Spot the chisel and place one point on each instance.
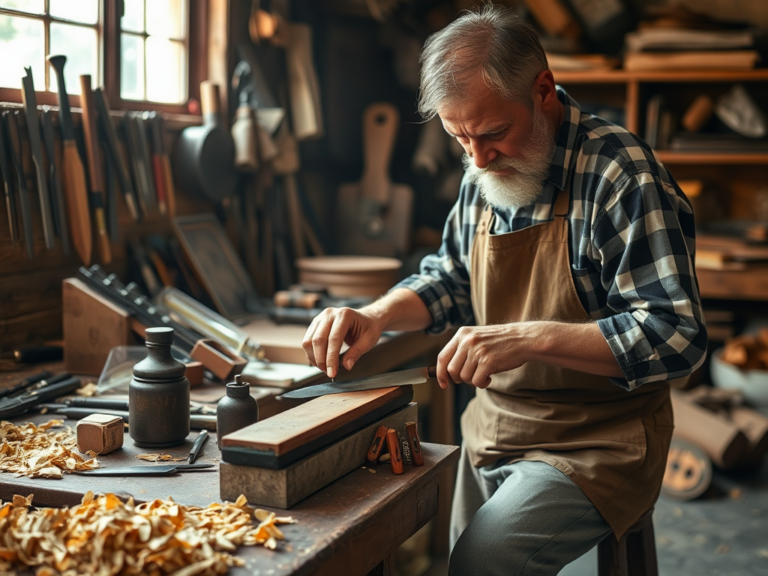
(94, 166)
(33, 128)
(75, 189)
(17, 155)
(8, 189)
(57, 196)
(110, 138)
(157, 163)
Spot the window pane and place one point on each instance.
(132, 67)
(24, 38)
(166, 66)
(133, 17)
(80, 46)
(166, 18)
(33, 6)
(85, 11)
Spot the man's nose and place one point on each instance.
(481, 155)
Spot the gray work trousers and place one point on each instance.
(526, 518)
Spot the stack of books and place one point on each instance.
(683, 48)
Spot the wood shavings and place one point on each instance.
(87, 390)
(104, 535)
(30, 450)
(157, 457)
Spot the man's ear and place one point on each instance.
(544, 90)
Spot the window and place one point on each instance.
(32, 29)
(153, 51)
(141, 55)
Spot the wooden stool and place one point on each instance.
(633, 555)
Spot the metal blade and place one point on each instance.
(162, 470)
(402, 378)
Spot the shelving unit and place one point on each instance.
(738, 175)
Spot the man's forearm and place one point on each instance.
(400, 310)
(579, 347)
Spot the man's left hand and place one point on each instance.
(477, 352)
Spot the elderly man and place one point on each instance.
(567, 264)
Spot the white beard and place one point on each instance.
(524, 186)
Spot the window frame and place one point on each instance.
(108, 29)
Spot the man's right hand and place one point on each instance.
(359, 329)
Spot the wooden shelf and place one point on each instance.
(619, 76)
(674, 157)
(750, 284)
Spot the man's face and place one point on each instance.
(508, 145)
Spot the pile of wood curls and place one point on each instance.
(105, 536)
(748, 352)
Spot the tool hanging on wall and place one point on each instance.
(17, 155)
(94, 166)
(140, 123)
(111, 143)
(140, 172)
(57, 196)
(8, 187)
(162, 163)
(75, 189)
(244, 127)
(35, 146)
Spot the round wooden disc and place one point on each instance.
(348, 264)
(688, 473)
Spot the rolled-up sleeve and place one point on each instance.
(643, 239)
(443, 279)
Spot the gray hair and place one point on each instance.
(493, 43)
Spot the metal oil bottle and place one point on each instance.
(236, 410)
(158, 396)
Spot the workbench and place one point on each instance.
(351, 527)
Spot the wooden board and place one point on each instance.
(284, 488)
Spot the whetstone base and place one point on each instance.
(284, 488)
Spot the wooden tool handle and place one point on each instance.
(380, 121)
(377, 445)
(76, 195)
(170, 192)
(414, 443)
(89, 130)
(157, 170)
(209, 101)
(395, 458)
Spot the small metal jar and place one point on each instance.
(236, 410)
(158, 396)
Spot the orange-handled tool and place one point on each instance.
(395, 457)
(377, 445)
(414, 443)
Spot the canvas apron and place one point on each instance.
(612, 443)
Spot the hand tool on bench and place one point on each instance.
(75, 189)
(33, 128)
(196, 421)
(197, 446)
(36, 354)
(109, 136)
(401, 378)
(8, 188)
(162, 470)
(57, 196)
(40, 384)
(10, 407)
(17, 155)
(25, 383)
(94, 166)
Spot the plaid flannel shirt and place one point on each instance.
(631, 249)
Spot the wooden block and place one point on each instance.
(284, 488)
(720, 438)
(295, 433)
(92, 327)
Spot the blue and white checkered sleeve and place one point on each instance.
(443, 279)
(645, 241)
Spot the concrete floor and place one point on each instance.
(724, 533)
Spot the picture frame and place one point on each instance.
(216, 264)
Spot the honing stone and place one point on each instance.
(284, 488)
